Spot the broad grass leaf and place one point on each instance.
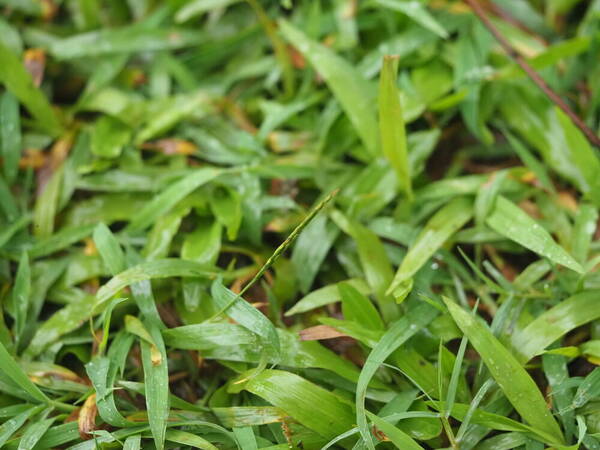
(354, 92)
(515, 224)
(309, 404)
(515, 382)
(551, 325)
(325, 296)
(109, 136)
(63, 321)
(358, 308)
(444, 223)
(246, 315)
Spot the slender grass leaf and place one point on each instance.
(60, 240)
(583, 231)
(156, 382)
(374, 261)
(162, 233)
(34, 433)
(447, 221)
(311, 248)
(188, 439)
(109, 249)
(354, 93)
(512, 222)
(227, 207)
(391, 124)
(398, 437)
(19, 82)
(46, 205)
(514, 381)
(10, 135)
(8, 428)
(16, 374)
(358, 308)
(7, 201)
(396, 335)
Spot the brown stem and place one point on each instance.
(533, 75)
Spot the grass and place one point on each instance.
(269, 225)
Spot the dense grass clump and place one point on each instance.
(299, 224)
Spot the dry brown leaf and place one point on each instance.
(87, 417)
(34, 60)
(319, 332)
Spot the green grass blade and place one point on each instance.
(447, 221)
(20, 297)
(46, 205)
(299, 398)
(109, 249)
(417, 12)
(8, 428)
(162, 268)
(354, 93)
(514, 381)
(325, 296)
(512, 222)
(188, 439)
(398, 437)
(34, 433)
(246, 315)
(168, 198)
(16, 374)
(18, 81)
(391, 124)
(547, 328)
(10, 135)
(398, 333)
(374, 261)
